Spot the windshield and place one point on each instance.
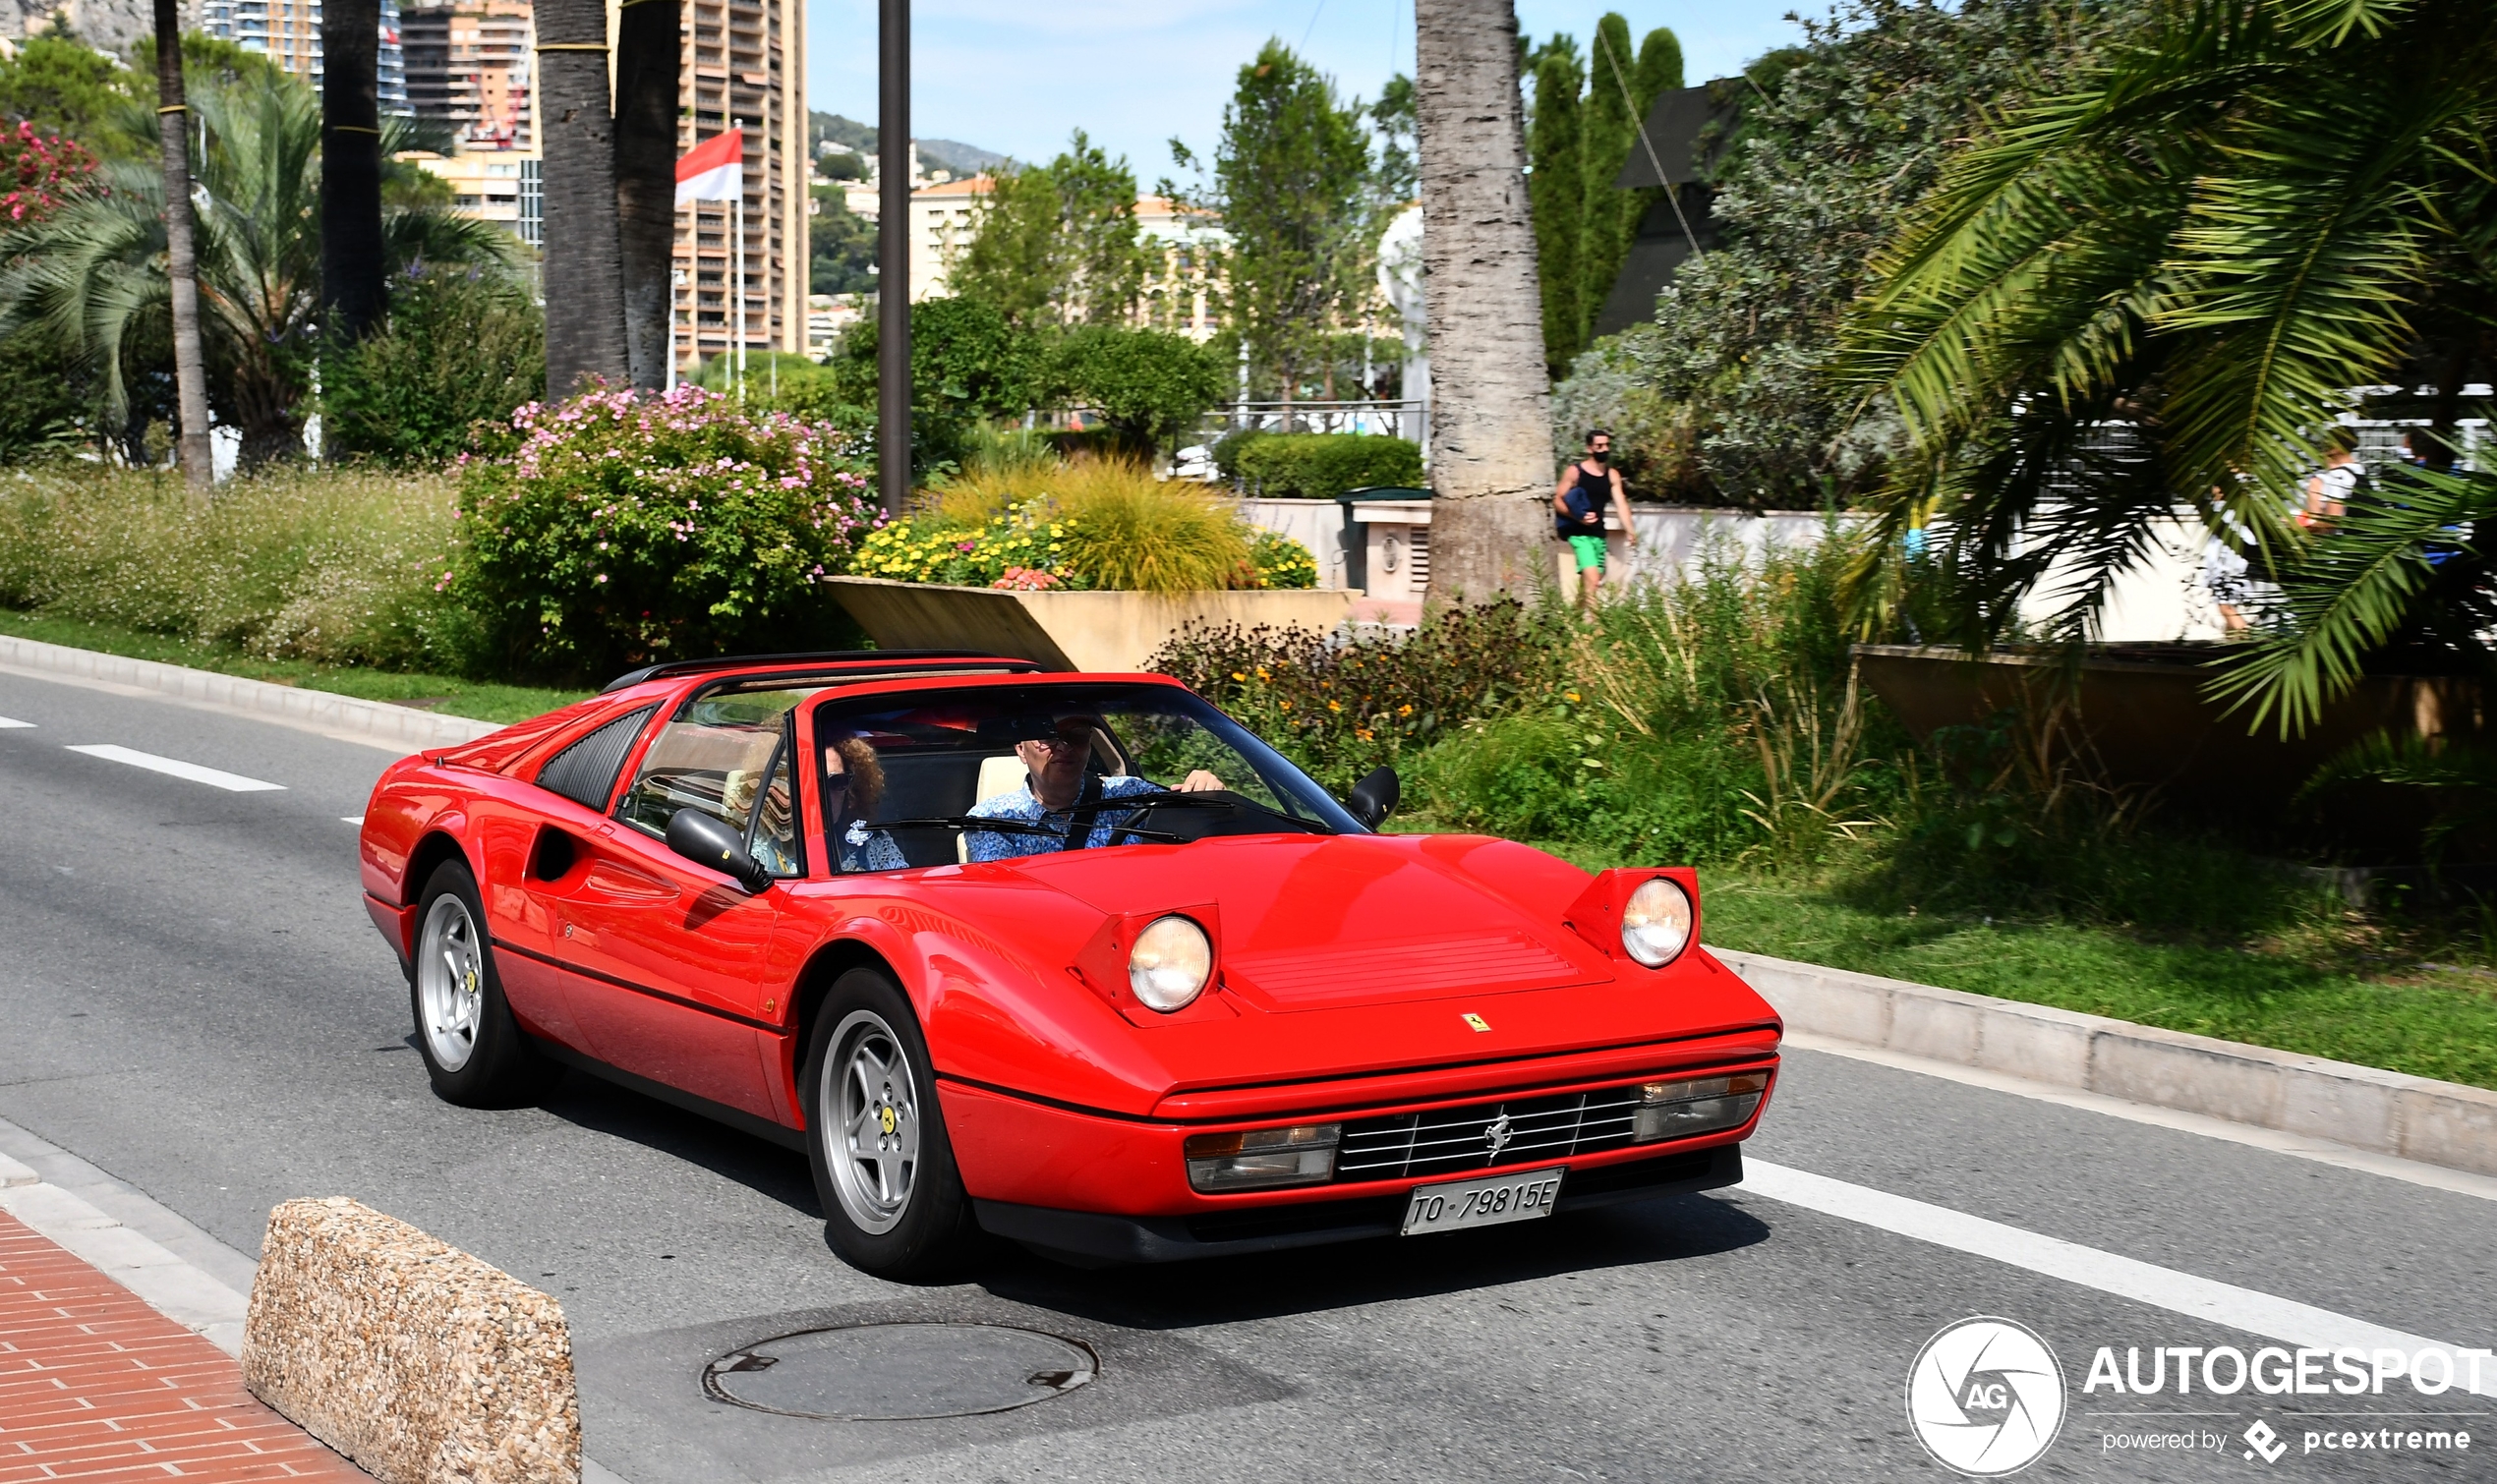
(937, 778)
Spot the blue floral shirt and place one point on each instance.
(1022, 805)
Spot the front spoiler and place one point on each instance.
(1096, 1237)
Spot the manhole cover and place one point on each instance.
(900, 1372)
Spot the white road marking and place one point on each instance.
(2322, 1152)
(9, 722)
(231, 782)
(351, 818)
(2281, 1319)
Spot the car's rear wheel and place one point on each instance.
(883, 1169)
(473, 1050)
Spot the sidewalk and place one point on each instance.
(96, 1385)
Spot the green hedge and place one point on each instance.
(1315, 466)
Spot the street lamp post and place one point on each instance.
(892, 256)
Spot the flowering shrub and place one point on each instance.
(36, 169)
(1282, 562)
(619, 529)
(1026, 538)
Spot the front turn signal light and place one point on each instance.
(1705, 1105)
(1262, 1159)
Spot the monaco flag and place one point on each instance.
(713, 170)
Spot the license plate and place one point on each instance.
(1487, 1201)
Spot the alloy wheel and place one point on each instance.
(450, 981)
(869, 1121)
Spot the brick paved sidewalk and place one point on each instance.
(95, 1384)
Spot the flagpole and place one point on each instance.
(738, 211)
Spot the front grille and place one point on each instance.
(1485, 1135)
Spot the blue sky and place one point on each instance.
(1017, 76)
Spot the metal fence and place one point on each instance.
(1408, 418)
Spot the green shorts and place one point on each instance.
(1590, 552)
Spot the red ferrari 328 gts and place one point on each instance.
(1075, 959)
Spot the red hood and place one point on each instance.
(1337, 956)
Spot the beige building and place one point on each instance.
(469, 66)
(485, 184)
(744, 69)
(941, 220)
(1179, 281)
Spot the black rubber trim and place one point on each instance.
(822, 656)
(775, 1027)
(735, 1117)
(1098, 1236)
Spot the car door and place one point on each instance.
(673, 974)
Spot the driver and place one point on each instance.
(1057, 787)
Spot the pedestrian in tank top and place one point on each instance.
(1578, 511)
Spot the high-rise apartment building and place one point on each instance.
(744, 69)
(288, 32)
(468, 68)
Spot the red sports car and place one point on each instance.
(1075, 959)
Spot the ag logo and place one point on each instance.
(1986, 1397)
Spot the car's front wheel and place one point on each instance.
(473, 1050)
(884, 1170)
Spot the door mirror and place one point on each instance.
(1374, 798)
(709, 841)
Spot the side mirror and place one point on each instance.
(1374, 798)
(708, 841)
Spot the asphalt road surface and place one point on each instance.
(191, 998)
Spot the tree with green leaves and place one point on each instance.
(458, 346)
(1621, 91)
(1150, 386)
(1294, 188)
(1556, 190)
(1724, 398)
(95, 273)
(2244, 212)
(1056, 244)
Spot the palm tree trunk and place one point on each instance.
(351, 253)
(182, 256)
(648, 62)
(1490, 418)
(584, 269)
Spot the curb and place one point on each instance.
(312, 710)
(2361, 1106)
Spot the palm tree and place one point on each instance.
(350, 275)
(190, 370)
(2161, 289)
(1491, 423)
(649, 58)
(584, 266)
(95, 272)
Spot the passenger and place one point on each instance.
(854, 784)
(1057, 787)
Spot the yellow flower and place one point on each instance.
(1236, 675)
(1404, 710)
(1335, 705)
(1573, 695)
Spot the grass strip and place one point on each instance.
(445, 693)
(2441, 1025)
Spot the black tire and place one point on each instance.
(474, 1051)
(894, 1206)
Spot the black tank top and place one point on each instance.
(1585, 496)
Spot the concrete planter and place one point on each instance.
(1110, 632)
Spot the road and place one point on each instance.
(191, 998)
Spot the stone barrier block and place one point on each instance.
(1934, 1028)
(2324, 1100)
(411, 1357)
